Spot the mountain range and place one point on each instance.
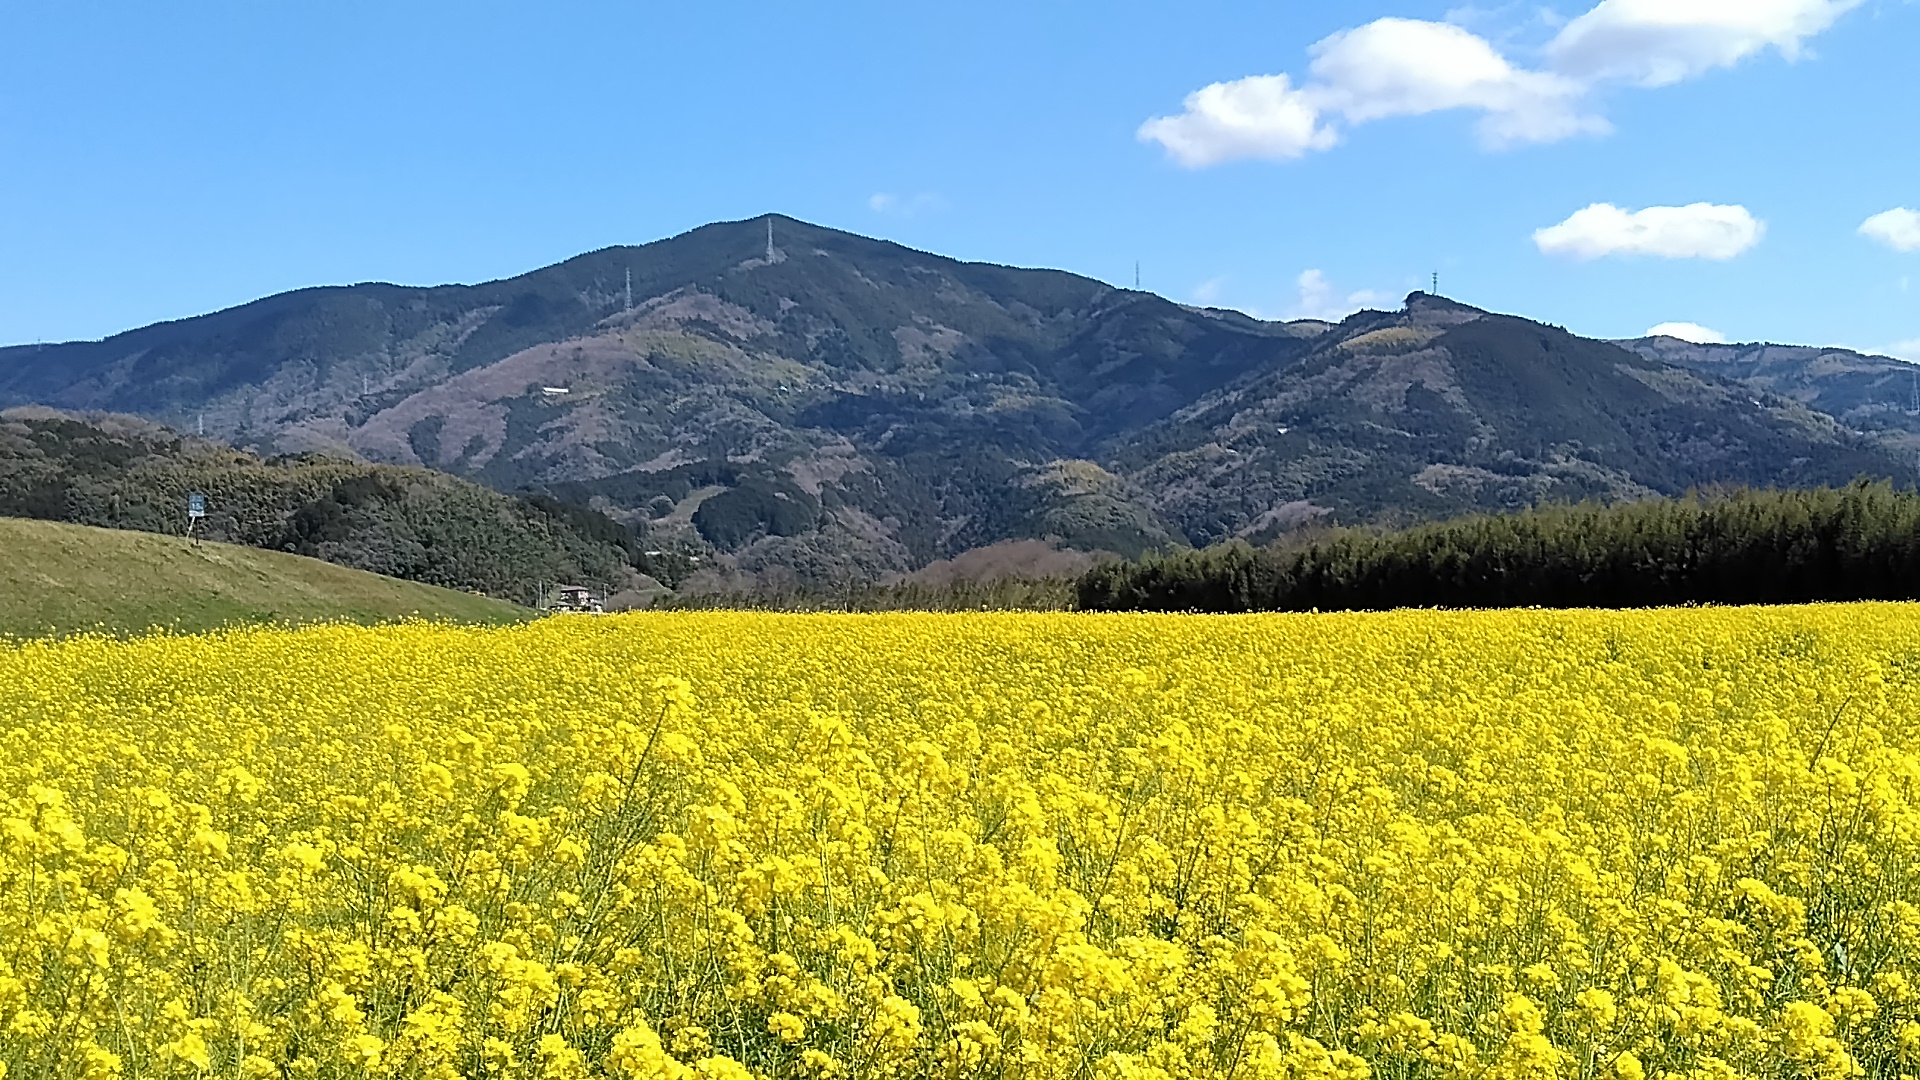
(804, 402)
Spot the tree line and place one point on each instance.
(114, 472)
(1860, 542)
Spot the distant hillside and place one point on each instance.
(837, 408)
(1441, 409)
(1877, 394)
(66, 578)
(123, 473)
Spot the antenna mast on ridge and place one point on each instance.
(769, 239)
(1436, 283)
(629, 288)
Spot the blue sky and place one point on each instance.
(1607, 168)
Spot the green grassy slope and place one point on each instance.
(57, 579)
(120, 472)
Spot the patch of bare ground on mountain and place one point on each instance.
(1469, 481)
(1286, 518)
(692, 304)
(826, 465)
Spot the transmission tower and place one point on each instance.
(769, 239)
(629, 306)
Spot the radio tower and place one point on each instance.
(769, 239)
(629, 288)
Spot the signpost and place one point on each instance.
(196, 509)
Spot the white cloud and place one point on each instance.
(1409, 67)
(1404, 67)
(1898, 228)
(1319, 300)
(1207, 293)
(1687, 331)
(1698, 231)
(1905, 350)
(1390, 67)
(886, 202)
(1260, 117)
(1660, 42)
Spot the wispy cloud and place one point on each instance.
(1504, 23)
(1207, 293)
(1409, 67)
(1318, 299)
(895, 205)
(1698, 231)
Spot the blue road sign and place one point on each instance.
(196, 505)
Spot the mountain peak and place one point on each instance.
(1431, 310)
(1422, 300)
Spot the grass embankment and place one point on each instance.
(61, 579)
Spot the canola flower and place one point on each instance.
(733, 846)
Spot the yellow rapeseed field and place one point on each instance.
(714, 847)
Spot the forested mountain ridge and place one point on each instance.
(120, 472)
(826, 406)
(1877, 394)
(1442, 408)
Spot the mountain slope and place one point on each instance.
(1443, 408)
(834, 407)
(871, 407)
(60, 579)
(1877, 394)
(842, 314)
(125, 473)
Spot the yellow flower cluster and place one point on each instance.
(1677, 844)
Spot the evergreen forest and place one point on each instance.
(1860, 542)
